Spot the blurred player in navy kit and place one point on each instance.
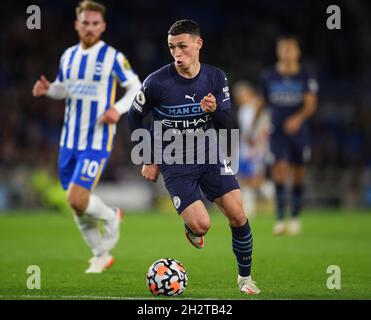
(189, 98)
(291, 96)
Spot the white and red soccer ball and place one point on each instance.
(167, 277)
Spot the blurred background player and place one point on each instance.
(290, 94)
(199, 101)
(254, 148)
(86, 79)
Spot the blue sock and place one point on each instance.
(296, 200)
(280, 200)
(242, 248)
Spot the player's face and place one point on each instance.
(244, 96)
(185, 49)
(90, 26)
(288, 50)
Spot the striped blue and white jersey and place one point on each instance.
(89, 77)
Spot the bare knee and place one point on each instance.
(231, 205)
(196, 218)
(200, 227)
(77, 202)
(237, 219)
(280, 171)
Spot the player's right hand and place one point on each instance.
(41, 87)
(208, 103)
(150, 172)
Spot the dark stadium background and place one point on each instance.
(239, 37)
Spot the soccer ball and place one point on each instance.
(167, 277)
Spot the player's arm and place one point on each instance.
(293, 123)
(56, 90)
(219, 106)
(128, 80)
(140, 108)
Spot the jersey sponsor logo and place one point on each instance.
(286, 99)
(187, 131)
(82, 89)
(177, 202)
(190, 97)
(183, 124)
(287, 93)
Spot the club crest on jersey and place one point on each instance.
(176, 201)
(98, 68)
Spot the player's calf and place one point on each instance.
(78, 199)
(197, 223)
(112, 230)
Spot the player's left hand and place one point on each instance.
(293, 124)
(208, 103)
(111, 116)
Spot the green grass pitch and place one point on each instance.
(284, 267)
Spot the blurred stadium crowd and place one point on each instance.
(239, 38)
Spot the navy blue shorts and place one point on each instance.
(292, 148)
(185, 187)
(81, 167)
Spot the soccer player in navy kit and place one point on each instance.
(290, 94)
(189, 97)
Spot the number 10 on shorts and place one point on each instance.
(90, 168)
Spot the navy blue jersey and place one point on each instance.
(175, 101)
(284, 95)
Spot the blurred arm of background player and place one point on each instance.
(58, 91)
(113, 114)
(55, 90)
(294, 122)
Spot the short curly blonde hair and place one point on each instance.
(90, 6)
